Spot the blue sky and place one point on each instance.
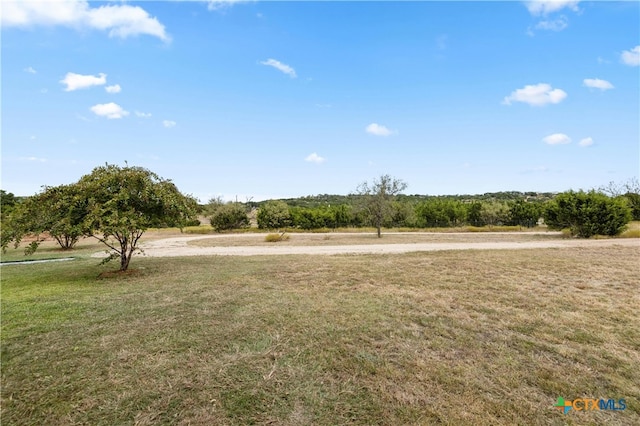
(284, 99)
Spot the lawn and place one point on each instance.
(482, 338)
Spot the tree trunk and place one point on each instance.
(124, 257)
(379, 234)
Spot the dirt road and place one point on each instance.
(179, 246)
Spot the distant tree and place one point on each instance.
(523, 213)
(629, 190)
(229, 216)
(343, 215)
(377, 197)
(587, 213)
(58, 211)
(494, 213)
(7, 202)
(273, 215)
(474, 214)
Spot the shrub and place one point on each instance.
(274, 238)
(192, 222)
(586, 214)
(274, 215)
(229, 216)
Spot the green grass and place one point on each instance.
(488, 338)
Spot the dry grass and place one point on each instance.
(276, 238)
(489, 338)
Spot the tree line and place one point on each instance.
(604, 211)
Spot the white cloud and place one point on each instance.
(553, 25)
(110, 110)
(34, 159)
(586, 142)
(30, 70)
(223, 4)
(537, 169)
(119, 20)
(557, 139)
(78, 81)
(143, 114)
(280, 66)
(596, 83)
(631, 57)
(315, 158)
(536, 95)
(545, 7)
(113, 89)
(378, 130)
(169, 124)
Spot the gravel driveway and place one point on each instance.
(171, 247)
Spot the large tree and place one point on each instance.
(586, 214)
(123, 202)
(377, 197)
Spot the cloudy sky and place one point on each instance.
(281, 99)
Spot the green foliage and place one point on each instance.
(494, 213)
(440, 212)
(229, 216)
(123, 202)
(633, 200)
(58, 211)
(629, 190)
(474, 214)
(376, 199)
(113, 204)
(523, 213)
(321, 217)
(7, 202)
(586, 214)
(274, 215)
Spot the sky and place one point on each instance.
(262, 99)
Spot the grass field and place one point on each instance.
(482, 338)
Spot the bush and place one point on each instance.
(229, 216)
(274, 238)
(274, 215)
(192, 222)
(586, 214)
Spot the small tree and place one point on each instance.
(7, 202)
(523, 213)
(273, 215)
(57, 210)
(123, 202)
(377, 197)
(494, 213)
(229, 216)
(587, 213)
(629, 190)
